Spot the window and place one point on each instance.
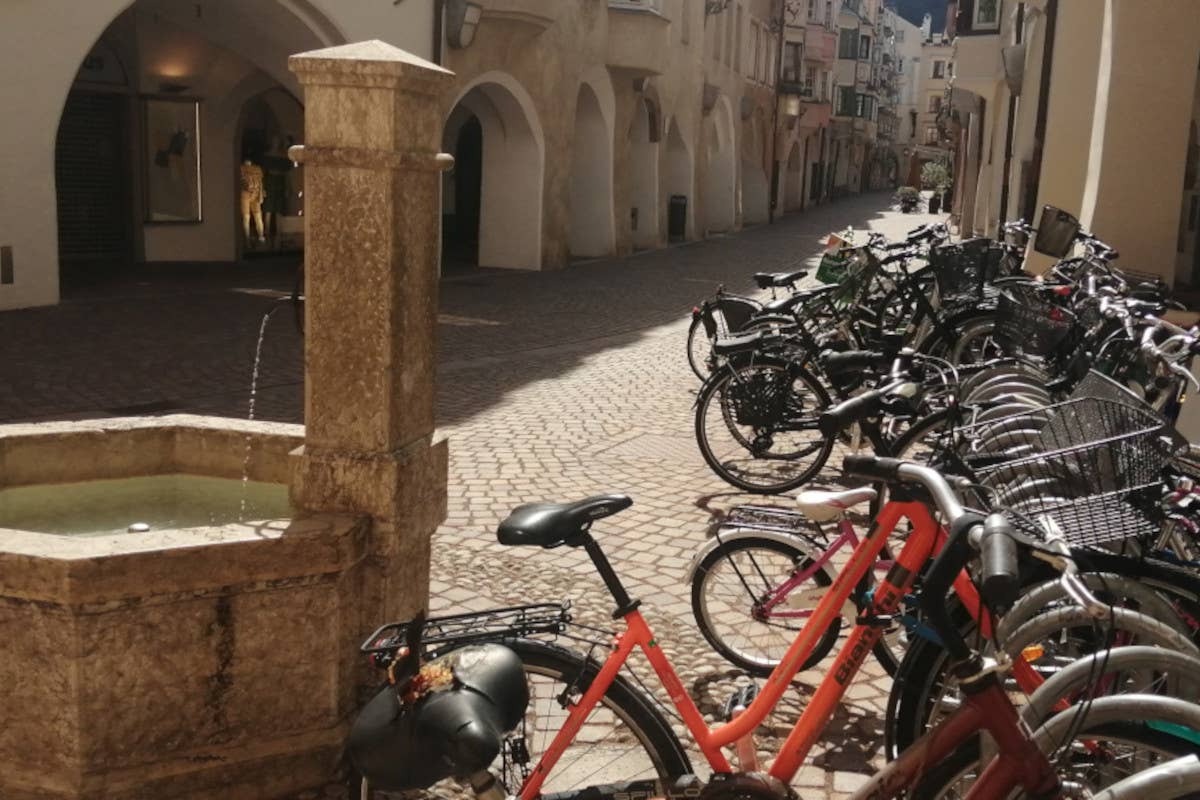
(813, 9)
(848, 43)
(793, 58)
(829, 14)
(899, 35)
(772, 67)
(718, 37)
(858, 110)
(846, 101)
(864, 48)
(987, 15)
(939, 69)
(935, 103)
(737, 41)
(931, 134)
(685, 21)
(730, 33)
(811, 85)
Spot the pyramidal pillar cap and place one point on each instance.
(372, 63)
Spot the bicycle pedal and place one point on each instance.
(740, 700)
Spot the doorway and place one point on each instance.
(91, 170)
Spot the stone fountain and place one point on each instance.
(221, 661)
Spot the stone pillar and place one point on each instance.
(372, 184)
(1139, 133)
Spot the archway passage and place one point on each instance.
(719, 186)
(793, 196)
(164, 110)
(756, 188)
(643, 137)
(492, 200)
(591, 227)
(677, 185)
(461, 197)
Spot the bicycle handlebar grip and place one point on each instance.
(872, 467)
(843, 414)
(999, 582)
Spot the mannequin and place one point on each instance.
(252, 195)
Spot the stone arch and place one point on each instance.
(677, 177)
(591, 227)
(176, 52)
(755, 184)
(644, 135)
(511, 159)
(720, 176)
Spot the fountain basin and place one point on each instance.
(213, 660)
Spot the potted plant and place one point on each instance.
(908, 197)
(935, 175)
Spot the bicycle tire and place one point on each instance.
(793, 472)
(919, 685)
(699, 348)
(937, 780)
(704, 604)
(648, 728)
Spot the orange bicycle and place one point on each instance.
(467, 746)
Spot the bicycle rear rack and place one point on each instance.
(451, 632)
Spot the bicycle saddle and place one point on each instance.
(765, 280)
(554, 524)
(820, 506)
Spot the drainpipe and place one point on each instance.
(1009, 128)
(1039, 131)
(775, 114)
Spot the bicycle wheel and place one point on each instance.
(624, 738)
(1097, 758)
(923, 691)
(756, 426)
(699, 348)
(731, 590)
(976, 343)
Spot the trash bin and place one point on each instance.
(677, 218)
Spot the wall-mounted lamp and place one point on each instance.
(171, 87)
(462, 18)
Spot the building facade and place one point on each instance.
(909, 39)
(157, 132)
(1049, 99)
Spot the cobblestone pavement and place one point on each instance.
(552, 386)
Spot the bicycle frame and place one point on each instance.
(987, 708)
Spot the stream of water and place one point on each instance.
(262, 332)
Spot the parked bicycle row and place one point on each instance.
(1026, 576)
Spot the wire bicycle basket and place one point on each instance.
(1027, 321)
(1089, 466)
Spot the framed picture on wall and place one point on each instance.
(172, 163)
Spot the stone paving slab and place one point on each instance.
(552, 386)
